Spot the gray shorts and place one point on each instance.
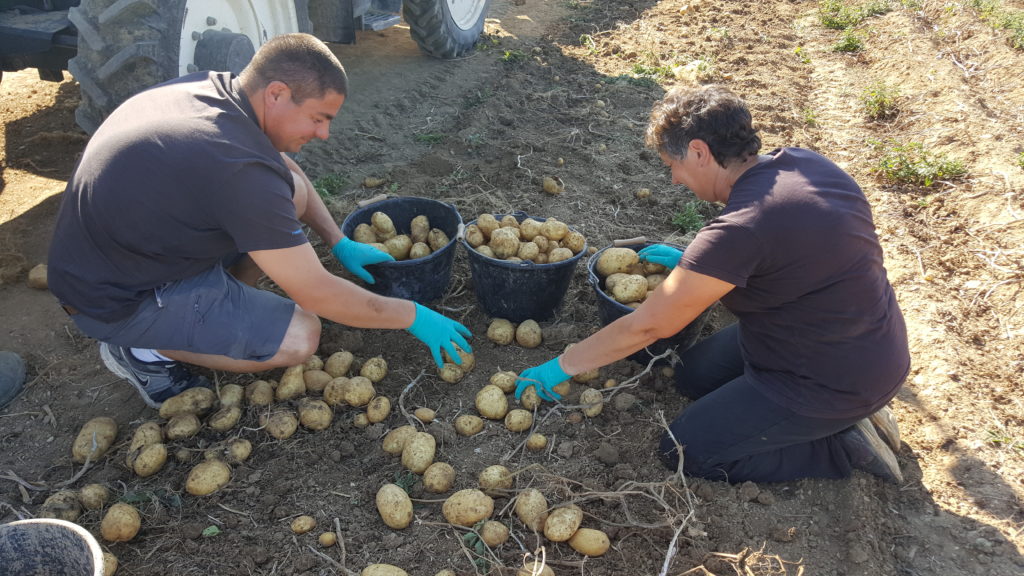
(211, 313)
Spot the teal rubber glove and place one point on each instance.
(544, 378)
(438, 331)
(667, 256)
(354, 256)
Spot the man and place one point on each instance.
(820, 346)
(183, 198)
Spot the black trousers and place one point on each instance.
(735, 433)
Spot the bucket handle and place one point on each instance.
(629, 241)
(378, 198)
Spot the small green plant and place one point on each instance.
(999, 16)
(850, 41)
(587, 41)
(912, 164)
(690, 219)
(1020, 160)
(330, 185)
(659, 71)
(999, 439)
(810, 117)
(880, 101)
(473, 541)
(835, 14)
(644, 82)
(513, 56)
(801, 53)
(405, 480)
(430, 138)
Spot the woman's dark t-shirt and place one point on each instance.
(820, 329)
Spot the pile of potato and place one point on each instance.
(421, 241)
(627, 279)
(527, 333)
(509, 239)
(560, 524)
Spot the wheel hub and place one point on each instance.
(223, 51)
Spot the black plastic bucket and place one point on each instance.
(610, 310)
(423, 279)
(518, 291)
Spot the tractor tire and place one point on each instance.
(123, 48)
(445, 28)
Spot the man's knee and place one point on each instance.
(300, 341)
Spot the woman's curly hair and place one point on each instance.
(709, 113)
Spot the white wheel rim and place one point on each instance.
(260, 20)
(465, 13)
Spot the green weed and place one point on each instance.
(430, 138)
(835, 14)
(693, 216)
(513, 57)
(644, 82)
(810, 117)
(998, 16)
(330, 185)
(999, 439)
(880, 101)
(587, 41)
(801, 53)
(912, 164)
(405, 480)
(850, 41)
(473, 541)
(660, 71)
(1020, 160)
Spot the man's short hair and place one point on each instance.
(302, 62)
(709, 113)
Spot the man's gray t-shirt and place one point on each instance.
(176, 179)
(821, 331)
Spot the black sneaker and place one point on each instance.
(155, 381)
(868, 452)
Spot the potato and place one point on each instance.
(303, 524)
(439, 477)
(559, 255)
(62, 505)
(528, 251)
(207, 477)
(378, 409)
(418, 453)
(259, 393)
(552, 186)
(654, 280)
(437, 239)
(383, 570)
(584, 377)
(532, 508)
(474, 236)
(495, 478)
(419, 227)
(364, 233)
(529, 399)
(501, 332)
(292, 384)
(281, 424)
(182, 426)
(196, 401)
(93, 496)
(486, 251)
(445, 572)
(451, 373)
(535, 568)
(94, 439)
(631, 288)
(359, 391)
(504, 243)
(231, 395)
(395, 440)
(612, 280)
(487, 224)
(361, 420)
(504, 380)
(491, 402)
(574, 241)
(109, 564)
(468, 360)
(562, 523)
(382, 225)
(589, 542)
(562, 388)
(425, 415)
(616, 259)
(147, 433)
(419, 250)
(552, 229)
(394, 506)
(238, 450)
(493, 533)
(467, 507)
(610, 383)
(334, 392)
(316, 380)
(518, 420)
(121, 523)
(315, 414)
(536, 442)
(338, 364)
(543, 245)
(150, 460)
(314, 362)
(225, 419)
(528, 334)
(327, 539)
(399, 247)
(593, 402)
(468, 424)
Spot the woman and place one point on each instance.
(820, 345)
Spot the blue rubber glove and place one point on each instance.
(543, 378)
(354, 255)
(667, 256)
(437, 332)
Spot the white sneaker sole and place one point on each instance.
(115, 367)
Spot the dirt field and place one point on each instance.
(554, 91)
